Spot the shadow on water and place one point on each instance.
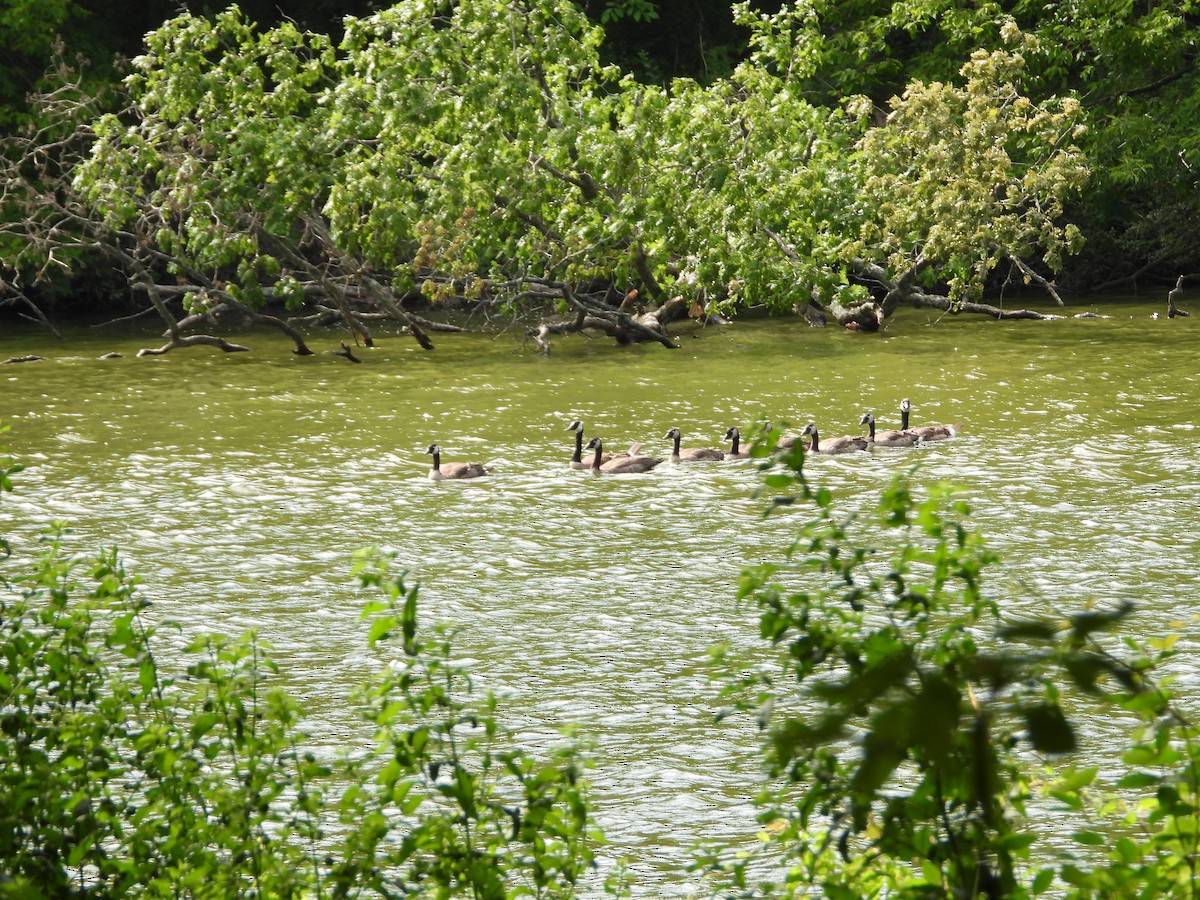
(239, 486)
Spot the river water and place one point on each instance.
(239, 485)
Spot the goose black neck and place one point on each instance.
(904, 420)
(871, 425)
(815, 440)
(678, 438)
(437, 460)
(734, 448)
(599, 451)
(578, 457)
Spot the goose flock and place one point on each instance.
(632, 461)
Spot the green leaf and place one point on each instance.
(81, 850)
(834, 891)
(1139, 780)
(203, 724)
(1042, 881)
(147, 675)
(1127, 851)
(779, 482)
(381, 629)
(1017, 843)
(408, 621)
(1049, 730)
(1074, 779)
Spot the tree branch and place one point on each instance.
(1030, 274)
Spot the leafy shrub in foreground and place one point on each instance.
(913, 728)
(119, 779)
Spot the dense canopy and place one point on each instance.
(486, 154)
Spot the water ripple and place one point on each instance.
(593, 600)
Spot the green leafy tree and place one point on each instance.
(482, 153)
(788, 203)
(1132, 65)
(439, 150)
(965, 178)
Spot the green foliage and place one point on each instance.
(903, 714)
(1131, 64)
(488, 819)
(229, 159)
(119, 777)
(484, 150)
(972, 175)
(641, 11)
(749, 189)
(30, 31)
(477, 149)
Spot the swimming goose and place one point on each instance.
(577, 457)
(846, 444)
(926, 432)
(692, 454)
(888, 438)
(618, 465)
(452, 470)
(733, 452)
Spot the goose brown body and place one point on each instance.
(926, 433)
(454, 470)
(577, 460)
(735, 451)
(691, 454)
(845, 444)
(887, 438)
(618, 465)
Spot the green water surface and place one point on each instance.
(239, 485)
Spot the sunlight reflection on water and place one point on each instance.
(240, 493)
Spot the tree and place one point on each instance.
(1132, 66)
(453, 167)
(797, 201)
(971, 177)
(482, 154)
(102, 31)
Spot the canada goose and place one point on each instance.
(888, 438)
(926, 432)
(618, 465)
(577, 461)
(692, 454)
(733, 452)
(452, 470)
(577, 457)
(846, 444)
